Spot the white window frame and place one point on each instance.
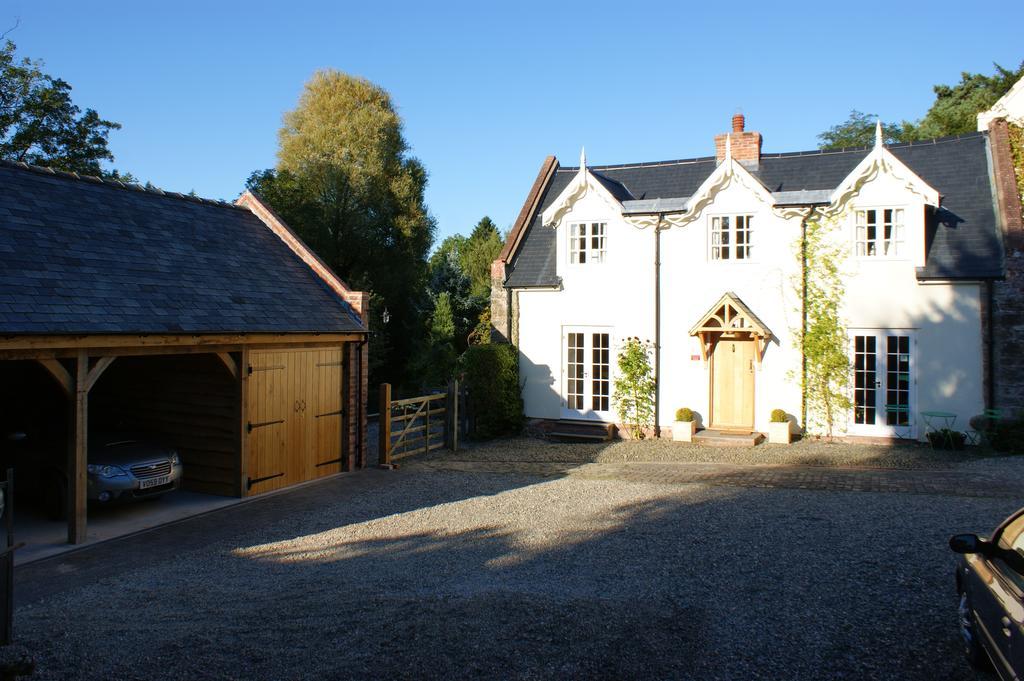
(882, 369)
(579, 378)
(728, 234)
(588, 246)
(880, 248)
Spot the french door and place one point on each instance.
(586, 372)
(884, 400)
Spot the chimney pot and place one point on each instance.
(738, 122)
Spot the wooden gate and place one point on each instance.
(417, 424)
(295, 415)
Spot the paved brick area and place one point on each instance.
(947, 483)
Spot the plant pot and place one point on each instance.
(779, 433)
(682, 431)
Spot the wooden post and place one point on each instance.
(426, 428)
(242, 384)
(455, 415)
(78, 453)
(384, 426)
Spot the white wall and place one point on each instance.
(692, 283)
(881, 294)
(618, 293)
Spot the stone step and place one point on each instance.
(727, 438)
(593, 431)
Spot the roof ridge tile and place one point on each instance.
(114, 184)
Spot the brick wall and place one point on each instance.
(357, 389)
(1008, 295)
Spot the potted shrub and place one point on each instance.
(947, 439)
(778, 429)
(685, 425)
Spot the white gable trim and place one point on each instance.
(727, 172)
(880, 162)
(1010, 106)
(583, 183)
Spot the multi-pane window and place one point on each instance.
(731, 237)
(574, 364)
(587, 242)
(882, 380)
(879, 232)
(897, 380)
(865, 380)
(601, 362)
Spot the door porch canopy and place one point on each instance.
(730, 318)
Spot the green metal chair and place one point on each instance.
(984, 426)
(898, 410)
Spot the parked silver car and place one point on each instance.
(125, 468)
(990, 582)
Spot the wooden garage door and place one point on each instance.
(295, 413)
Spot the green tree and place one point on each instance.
(634, 387)
(345, 181)
(954, 112)
(435, 364)
(490, 373)
(480, 250)
(956, 107)
(39, 124)
(442, 324)
(858, 131)
(822, 338)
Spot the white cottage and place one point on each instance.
(700, 256)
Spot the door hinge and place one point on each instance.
(252, 481)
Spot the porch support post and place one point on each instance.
(78, 452)
(241, 377)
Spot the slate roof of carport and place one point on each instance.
(82, 256)
(962, 241)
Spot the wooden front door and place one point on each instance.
(295, 413)
(732, 385)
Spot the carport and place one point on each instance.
(210, 325)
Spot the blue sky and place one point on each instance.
(487, 90)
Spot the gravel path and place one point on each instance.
(803, 453)
(444, 574)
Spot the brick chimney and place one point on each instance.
(746, 146)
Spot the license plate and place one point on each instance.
(154, 482)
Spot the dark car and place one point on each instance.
(990, 581)
(120, 467)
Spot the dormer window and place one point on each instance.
(879, 232)
(587, 242)
(731, 237)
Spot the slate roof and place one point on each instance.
(84, 256)
(962, 237)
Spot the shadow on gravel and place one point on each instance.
(415, 574)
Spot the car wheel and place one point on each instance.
(975, 654)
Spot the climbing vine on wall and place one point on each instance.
(822, 337)
(1017, 151)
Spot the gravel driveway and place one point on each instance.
(446, 574)
(809, 452)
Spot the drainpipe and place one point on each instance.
(657, 326)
